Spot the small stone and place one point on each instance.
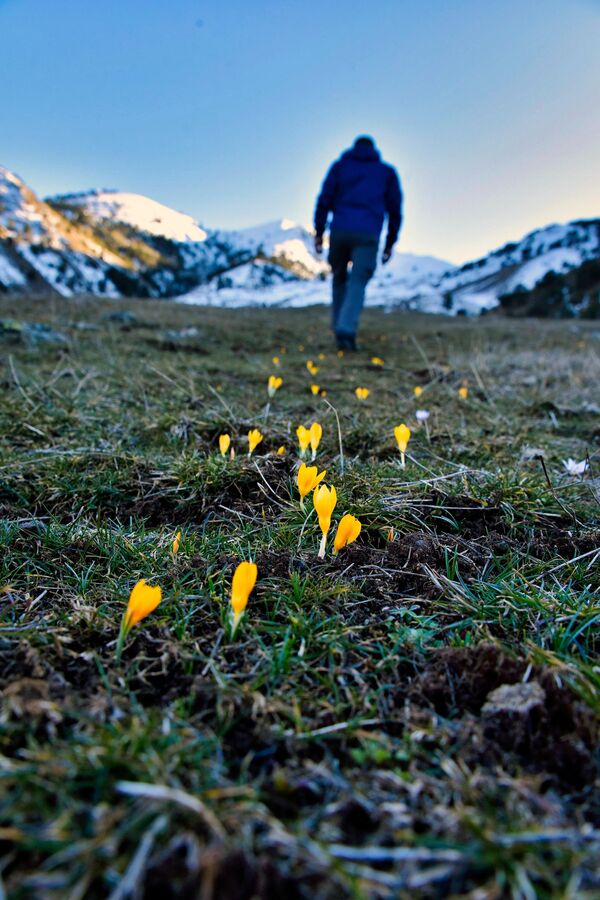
(182, 333)
(520, 699)
(121, 317)
(513, 713)
(84, 326)
(30, 332)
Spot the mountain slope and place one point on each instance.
(575, 293)
(42, 249)
(68, 246)
(521, 264)
(283, 241)
(142, 213)
(432, 285)
(113, 243)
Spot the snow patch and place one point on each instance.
(50, 265)
(530, 273)
(9, 275)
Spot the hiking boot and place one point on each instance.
(346, 342)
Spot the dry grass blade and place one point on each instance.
(130, 884)
(166, 794)
(395, 854)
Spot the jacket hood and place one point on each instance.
(365, 152)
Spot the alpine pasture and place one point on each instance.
(398, 694)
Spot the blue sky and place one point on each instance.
(232, 110)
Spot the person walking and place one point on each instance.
(360, 190)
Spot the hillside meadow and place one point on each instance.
(416, 715)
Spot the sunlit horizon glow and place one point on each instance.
(232, 113)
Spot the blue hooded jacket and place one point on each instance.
(360, 190)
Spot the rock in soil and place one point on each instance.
(514, 711)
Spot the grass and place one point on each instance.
(339, 746)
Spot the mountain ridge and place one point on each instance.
(113, 243)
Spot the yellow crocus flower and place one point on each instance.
(275, 360)
(402, 435)
(308, 478)
(273, 384)
(376, 361)
(362, 393)
(224, 443)
(311, 367)
(347, 531)
(176, 543)
(281, 451)
(143, 600)
(417, 390)
(254, 439)
(324, 499)
(314, 389)
(303, 435)
(242, 584)
(463, 392)
(316, 433)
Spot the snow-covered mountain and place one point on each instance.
(104, 243)
(282, 241)
(406, 279)
(42, 249)
(427, 284)
(111, 243)
(140, 212)
(556, 248)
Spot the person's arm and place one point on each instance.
(324, 205)
(393, 207)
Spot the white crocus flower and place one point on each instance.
(421, 415)
(575, 468)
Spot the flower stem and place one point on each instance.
(402, 459)
(321, 553)
(235, 622)
(120, 641)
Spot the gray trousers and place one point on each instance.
(347, 247)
